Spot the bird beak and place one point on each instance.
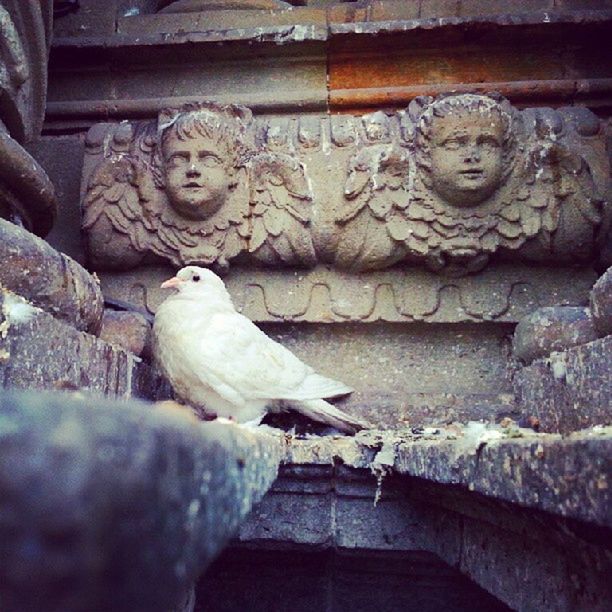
(171, 283)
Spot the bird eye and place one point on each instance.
(196, 278)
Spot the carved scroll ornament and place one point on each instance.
(449, 183)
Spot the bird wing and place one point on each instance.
(234, 353)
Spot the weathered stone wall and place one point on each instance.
(334, 93)
(343, 232)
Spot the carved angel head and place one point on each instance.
(200, 148)
(465, 147)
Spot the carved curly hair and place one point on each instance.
(227, 125)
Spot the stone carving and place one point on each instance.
(449, 183)
(281, 203)
(27, 197)
(377, 192)
(501, 293)
(481, 183)
(195, 189)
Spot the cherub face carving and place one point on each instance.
(465, 148)
(197, 177)
(466, 157)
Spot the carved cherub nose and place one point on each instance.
(192, 170)
(472, 153)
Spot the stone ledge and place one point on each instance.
(117, 505)
(525, 518)
(568, 477)
(571, 389)
(49, 279)
(169, 29)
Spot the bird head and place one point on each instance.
(194, 280)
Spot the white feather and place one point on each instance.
(218, 360)
(17, 310)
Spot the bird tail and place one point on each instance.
(324, 412)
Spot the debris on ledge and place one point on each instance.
(512, 464)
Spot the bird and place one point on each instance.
(218, 361)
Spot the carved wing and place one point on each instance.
(359, 182)
(376, 196)
(112, 191)
(281, 202)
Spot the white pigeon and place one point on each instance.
(218, 361)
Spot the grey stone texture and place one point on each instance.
(515, 466)
(570, 390)
(129, 330)
(117, 506)
(601, 304)
(62, 158)
(49, 279)
(26, 193)
(507, 513)
(552, 329)
(45, 353)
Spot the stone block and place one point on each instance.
(601, 304)
(513, 568)
(391, 10)
(49, 279)
(290, 519)
(439, 8)
(45, 353)
(551, 329)
(129, 330)
(571, 390)
(117, 506)
(388, 525)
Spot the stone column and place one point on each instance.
(26, 194)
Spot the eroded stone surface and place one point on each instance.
(501, 504)
(45, 353)
(129, 330)
(552, 329)
(49, 279)
(571, 389)
(117, 506)
(601, 304)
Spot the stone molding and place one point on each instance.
(503, 294)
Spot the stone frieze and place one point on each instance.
(448, 184)
(501, 293)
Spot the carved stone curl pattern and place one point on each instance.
(449, 183)
(486, 179)
(194, 188)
